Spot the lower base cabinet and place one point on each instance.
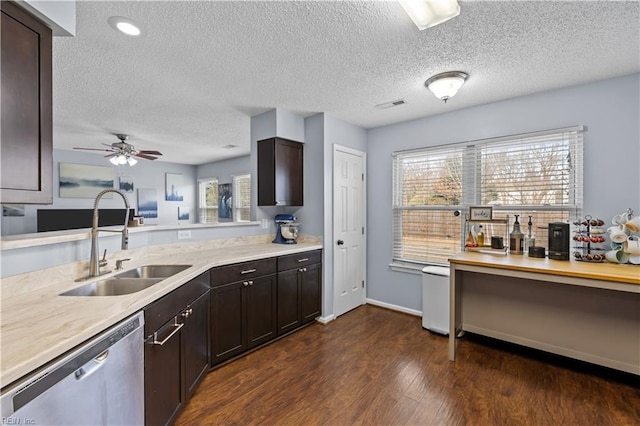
(243, 306)
(221, 314)
(299, 289)
(176, 349)
(254, 302)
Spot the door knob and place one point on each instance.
(340, 242)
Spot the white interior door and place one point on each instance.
(349, 259)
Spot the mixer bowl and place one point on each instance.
(289, 232)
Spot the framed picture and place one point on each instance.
(126, 184)
(173, 188)
(481, 213)
(225, 202)
(148, 203)
(84, 181)
(184, 213)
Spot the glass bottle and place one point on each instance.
(529, 239)
(516, 238)
(480, 236)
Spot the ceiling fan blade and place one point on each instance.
(150, 152)
(94, 149)
(147, 157)
(110, 155)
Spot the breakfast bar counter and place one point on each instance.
(586, 311)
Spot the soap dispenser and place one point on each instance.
(529, 239)
(516, 238)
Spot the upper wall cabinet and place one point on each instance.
(25, 149)
(280, 172)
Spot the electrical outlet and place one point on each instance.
(184, 235)
(264, 223)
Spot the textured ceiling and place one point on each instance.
(189, 85)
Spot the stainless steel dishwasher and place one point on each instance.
(100, 383)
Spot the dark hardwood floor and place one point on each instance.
(375, 366)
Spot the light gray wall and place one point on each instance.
(224, 170)
(145, 174)
(334, 132)
(610, 109)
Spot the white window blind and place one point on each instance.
(537, 174)
(208, 200)
(242, 198)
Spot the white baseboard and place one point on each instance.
(394, 307)
(327, 319)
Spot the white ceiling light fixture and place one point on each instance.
(124, 25)
(429, 13)
(446, 84)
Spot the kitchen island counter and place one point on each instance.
(38, 325)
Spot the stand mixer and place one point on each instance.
(286, 229)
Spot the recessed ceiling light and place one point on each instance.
(124, 25)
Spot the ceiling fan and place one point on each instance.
(123, 152)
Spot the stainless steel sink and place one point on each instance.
(153, 271)
(127, 282)
(112, 287)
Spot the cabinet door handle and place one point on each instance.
(340, 242)
(302, 270)
(175, 330)
(303, 260)
(187, 312)
(247, 271)
(246, 283)
(250, 282)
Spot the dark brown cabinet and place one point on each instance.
(243, 307)
(176, 349)
(280, 172)
(299, 289)
(26, 122)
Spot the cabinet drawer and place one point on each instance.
(292, 261)
(242, 271)
(165, 308)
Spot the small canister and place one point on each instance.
(536, 252)
(497, 242)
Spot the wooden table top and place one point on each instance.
(572, 268)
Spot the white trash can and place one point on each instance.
(435, 299)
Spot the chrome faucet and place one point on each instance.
(94, 262)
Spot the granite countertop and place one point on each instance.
(38, 325)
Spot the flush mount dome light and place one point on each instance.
(446, 84)
(124, 25)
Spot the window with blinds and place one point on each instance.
(208, 200)
(242, 198)
(537, 174)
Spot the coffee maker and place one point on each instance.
(559, 241)
(286, 229)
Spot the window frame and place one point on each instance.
(202, 198)
(237, 199)
(469, 154)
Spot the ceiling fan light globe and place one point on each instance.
(132, 161)
(114, 161)
(122, 159)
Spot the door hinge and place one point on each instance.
(362, 283)
(363, 177)
(363, 230)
